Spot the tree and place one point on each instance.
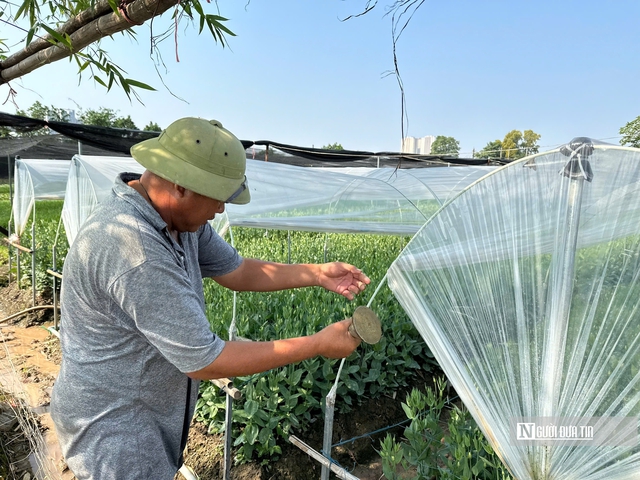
(448, 146)
(517, 144)
(514, 145)
(103, 117)
(107, 117)
(631, 133)
(511, 144)
(122, 122)
(39, 111)
(58, 29)
(491, 151)
(152, 127)
(333, 146)
(530, 142)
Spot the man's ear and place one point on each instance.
(180, 191)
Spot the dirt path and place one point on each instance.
(29, 364)
(26, 373)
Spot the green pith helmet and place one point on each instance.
(199, 155)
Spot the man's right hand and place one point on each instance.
(335, 341)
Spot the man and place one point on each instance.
(135, 339)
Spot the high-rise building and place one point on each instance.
(72, 116)
(421, 146)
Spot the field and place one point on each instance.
(290, 400)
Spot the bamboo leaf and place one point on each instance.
(22, 9)
(30, 35)
(32, 13)
(198, 8)
(56, 36)
(137, 84)
(100, 81)
(216, 20)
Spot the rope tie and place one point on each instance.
(122, 8)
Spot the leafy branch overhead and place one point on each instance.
(57, 29)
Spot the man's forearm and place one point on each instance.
(259, 276)
(245, 358)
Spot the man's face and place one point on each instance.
(196, 210)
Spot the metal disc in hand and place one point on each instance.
(366, 325)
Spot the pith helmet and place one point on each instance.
(199, 155)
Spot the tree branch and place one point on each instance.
(70, 26)
(139, 11)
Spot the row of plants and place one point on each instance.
(47, 228)
(282, 400)
(441, 442)
(5, 213)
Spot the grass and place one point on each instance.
(47, 211)
(5, 206)
(5, 213)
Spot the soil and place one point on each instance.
(37, 356)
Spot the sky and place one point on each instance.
(298, 73)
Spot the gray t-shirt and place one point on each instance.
(132, 324)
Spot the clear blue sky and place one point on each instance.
(296, 74)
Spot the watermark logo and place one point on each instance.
(585, 431)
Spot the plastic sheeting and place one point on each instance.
(385, 201)
(363, 200)
(36, 180)
(90, 179)
(526, 288)
(417, 183)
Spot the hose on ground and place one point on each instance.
(31, 309)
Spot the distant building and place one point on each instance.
(60, 114)
(420, 146)
(72, 116)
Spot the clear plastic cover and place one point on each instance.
(353, 200)
(385, 200)
(36, 180)
(526, 288)
(90, 181)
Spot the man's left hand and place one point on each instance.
(342, 278)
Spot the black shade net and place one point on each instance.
(105, 141)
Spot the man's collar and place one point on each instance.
(129, 194)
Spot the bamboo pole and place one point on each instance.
(324, 461)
